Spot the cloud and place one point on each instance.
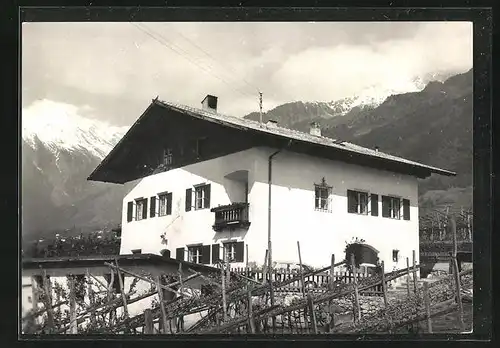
(116, 68)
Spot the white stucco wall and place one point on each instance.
(293, 215)
(322, 233)
(183, 228)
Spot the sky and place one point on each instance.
(111, 71)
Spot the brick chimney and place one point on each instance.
(209, 103)
(315, 129)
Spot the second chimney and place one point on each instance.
(209, 103)
(315, 129)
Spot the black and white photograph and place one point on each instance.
(246, 177)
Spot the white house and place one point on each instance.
(211, 182)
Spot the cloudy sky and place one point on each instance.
(111, 71)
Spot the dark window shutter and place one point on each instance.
(205, 254)
(169, 204)
(189, 197)
(130, 210)
(179, 254)
(374, 204)
(145, 209)
(351, 202)
(207, 196)
(385, 206)
(239, 248)
(215, 253)
(406, 209)
(152, 207)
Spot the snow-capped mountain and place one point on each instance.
(60, 127)
(60, 149)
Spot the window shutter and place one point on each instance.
(385, 206)
(374, 204)
(145, 209)
(189, 197)
(205, 255)
(351, 202)
(207, 196)
(179, 254)
(239, 248)
(406, 209)
(152, 207)
(169, 203)
(215, 253)
(130, 210)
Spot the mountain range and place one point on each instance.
(429, 120)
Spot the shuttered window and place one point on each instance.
(189, 196)
(357, 202)
(195, 253)
(406, 209)
(205, 255)
(215, 253)
(202, 197)
(152, 207)
(391, 207)
(165, 200)
(141, 209)
(322, 196)
(130, 211)
(179, 254)
(234, 251)
(374, 204)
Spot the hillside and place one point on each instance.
(432, 126)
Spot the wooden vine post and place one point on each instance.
(180, 323)
(122, 289)
(73, 326)
(456, 273)
(415, 284)
(302, 281)
(384, 284)
(264, 267)
(148, 322)
(48, 300)
(162, 305)
(223, 283)
(357, 314)
(312, 315)
(427, 307)
(331, 308)
(408, 277)
(91, 298)
(251, 323)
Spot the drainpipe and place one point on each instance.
(270, 257)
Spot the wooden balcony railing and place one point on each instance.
(231, 216)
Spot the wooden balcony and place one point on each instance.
(231, 216)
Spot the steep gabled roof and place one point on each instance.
(274, 131)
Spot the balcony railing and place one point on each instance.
(231, 216)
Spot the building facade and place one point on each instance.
(213, 185)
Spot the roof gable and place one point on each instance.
(165, 124)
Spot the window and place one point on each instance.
(202, 197)
(322, 193)
(165, 204)
(234, 251)
(391, 207)
(406, 209)
(357, 202)
(141, 209)
(395, 255)
(195, 253)
(168, 158)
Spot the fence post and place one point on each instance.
(35, 293)
(408, 276)
(223, 280)
(264, 267)
(415, 285)
(427, 307)
(331, 325)
(91, 297)
(148, 322)
(357, 314)
(457, 274)
(301, 272)
(251, 323)
(181, 291)
(162, 304)
(312, 315)
(122, 289)
(384, 284)
(48, 300)
(73, 326)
